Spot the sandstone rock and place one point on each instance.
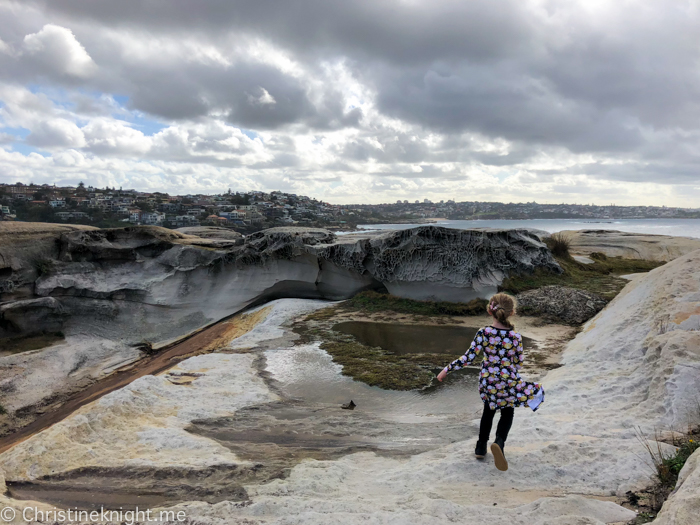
(24, 249)
(122, 287)
(152, 283)
(561, 303)
(31, 316)
(212, 232)
(631, 245)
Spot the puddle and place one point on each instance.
(414, 339)
(307, 373)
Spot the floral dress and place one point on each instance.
(500, 384)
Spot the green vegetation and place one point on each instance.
(380, 302)
(559, 244)
(3, 411)
(599, 277)
(18, 345)
(666, 466)
(377, 367)
(43, 266)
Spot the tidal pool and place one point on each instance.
(413, 339)
(308, 373)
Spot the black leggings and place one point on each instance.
(504, 423)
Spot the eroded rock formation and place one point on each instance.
(151, 283)
(120, 289)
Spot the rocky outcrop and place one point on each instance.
(212, 232)
(630, 245)
(152, 283)
(447, 264)
(560, 303)
(120, 288)
(26, 249)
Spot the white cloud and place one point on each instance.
(55, 49)
(113, 137)
(263, 99)
(56, 133)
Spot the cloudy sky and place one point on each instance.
(357, 101)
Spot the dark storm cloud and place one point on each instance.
(395, 30)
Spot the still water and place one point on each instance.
(414, 339)
(307, 373)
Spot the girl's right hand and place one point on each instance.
(442, 375)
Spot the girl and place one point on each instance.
(500, 385)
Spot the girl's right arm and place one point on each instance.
(468, 358)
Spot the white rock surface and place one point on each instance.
(143, 423)
(630, 245)
(30, 377)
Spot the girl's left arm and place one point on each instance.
(471, 354)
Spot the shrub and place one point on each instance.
(2, 410)
(559, 244)
(668, 466)
(43, 266)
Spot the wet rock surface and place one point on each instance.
(560, 303)
(130, 487)
(285, 433)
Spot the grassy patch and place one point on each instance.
(666, 467)
(25, 344)
(599, 277)
(377, 367)
(372, 302)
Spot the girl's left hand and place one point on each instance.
(442, 375)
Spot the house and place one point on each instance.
(152, 218)
(186, 220)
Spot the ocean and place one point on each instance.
(675, 227)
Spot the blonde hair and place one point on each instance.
(502, 306)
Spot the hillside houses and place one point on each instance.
(255, 210)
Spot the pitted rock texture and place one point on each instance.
(561, 303)
(460, 257)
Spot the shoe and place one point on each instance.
(480, 450)
(499, 457)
